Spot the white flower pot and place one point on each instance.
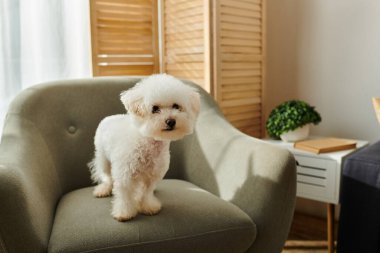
(298, 134)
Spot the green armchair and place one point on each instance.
(224, 191)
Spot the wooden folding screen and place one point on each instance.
(219, 45)
(238, 65)
(124, 37)
(186, 40)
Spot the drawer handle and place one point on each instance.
(313, 168)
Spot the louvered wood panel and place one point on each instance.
(238, 62)
(186, 40)
(124, 37)
(218, 44)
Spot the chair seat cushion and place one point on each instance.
(192, 220)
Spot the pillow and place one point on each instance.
(376, 105)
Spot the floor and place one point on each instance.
(308, 234)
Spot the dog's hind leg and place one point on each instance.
(101, 172)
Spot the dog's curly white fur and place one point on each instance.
(132, 150)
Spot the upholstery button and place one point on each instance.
(72, 129)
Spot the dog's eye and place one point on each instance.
(176, 106)
(155, 109)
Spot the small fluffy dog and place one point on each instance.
(132, 150)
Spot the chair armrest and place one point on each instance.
(29, 188)
(258, 177)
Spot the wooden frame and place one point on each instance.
(94, 41)
(264, 62)
(208, 63)
(155, 41)
(216, 51)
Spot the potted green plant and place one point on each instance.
(290, 120)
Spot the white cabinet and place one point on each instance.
(318, 175)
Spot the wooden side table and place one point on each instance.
(318, 178)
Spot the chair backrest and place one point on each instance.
(67, 113)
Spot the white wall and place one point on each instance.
(326, 52)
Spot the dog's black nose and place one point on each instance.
(170, 123)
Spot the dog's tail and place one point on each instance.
(96, 178)
(100, 168)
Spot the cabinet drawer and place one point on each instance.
(317, 178)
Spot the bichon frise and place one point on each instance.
(132, 150)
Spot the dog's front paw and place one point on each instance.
(123, 217)
(123, 212)
(102, 190)
(151, 207)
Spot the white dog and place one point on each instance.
(132, 150)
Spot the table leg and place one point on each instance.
(330, 227)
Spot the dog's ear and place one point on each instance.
(133, 101)
(195, 103)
